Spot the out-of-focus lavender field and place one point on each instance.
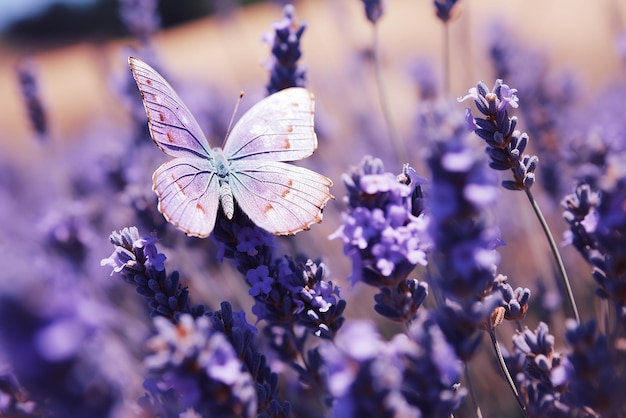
(471, 264)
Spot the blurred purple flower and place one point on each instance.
(140, 17)
(593, 371)
(432, 369)
(597, 220)
(27, 77)
(48, 338)
(365, 374)
(425, 79)
(202, 367)
(374, 9)
(13, 401)
(444, 9)
(464, 242)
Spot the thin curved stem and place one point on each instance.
(397, 145)
(447, 72)
(555, 252)
(505, 371)
(470, 386)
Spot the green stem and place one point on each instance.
(555, 252)
(398, 147)
(505, 371)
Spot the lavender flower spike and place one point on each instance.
(139, 263)
(283, 63)
(505, 145)
(384, 233)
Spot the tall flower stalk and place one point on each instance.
(374, 10)
(505, 147)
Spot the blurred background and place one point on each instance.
(572, 53)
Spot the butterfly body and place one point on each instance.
(250, 169)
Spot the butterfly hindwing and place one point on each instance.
(278, 128)
(188, 192)
(280, 198)
(172, 126)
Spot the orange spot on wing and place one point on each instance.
(290, 128)
(268, 207)
(148, 81)
(180, 188)
(170, 137)
(286, 143)
(295, 104)
(200, 208)
(285, 192)
(161, 117)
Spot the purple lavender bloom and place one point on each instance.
(593, 371)
(383, 233)
(533, 363)
(505, 145)
(582, 216)
(464, 256)
(202, 368)
(432, 369)
(515, 300)
(260, 281)
(365, 374)
(283, 63)
(139, 263)
(373, 9)
(597, 220)
(282, 287)
(27, 77)
(414, 375)
(240, 334)
(294, 298)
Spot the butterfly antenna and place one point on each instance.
(232, 118)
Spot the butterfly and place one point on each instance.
(250, 170)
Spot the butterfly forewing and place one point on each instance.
(279, 197)
(188, 191)
(172, 126)
(278, 128)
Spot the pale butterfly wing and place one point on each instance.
(188, 191)
(278, 128)
(172, 126)
(280, 198)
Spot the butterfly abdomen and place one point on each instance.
(227, 201)
(222, 170)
